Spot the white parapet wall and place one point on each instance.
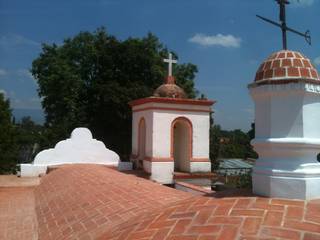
(32, 170)
(80, 148)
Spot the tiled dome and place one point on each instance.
(169, 91)
(286, 65)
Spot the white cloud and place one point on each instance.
(3, 72)
(216, 40)
(317, 61)
(15, 40)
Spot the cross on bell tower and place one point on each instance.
(283, 24)
(170, 61)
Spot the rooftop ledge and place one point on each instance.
(300, 141)
(280, 81)
(171, 100)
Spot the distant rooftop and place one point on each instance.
(234, 163)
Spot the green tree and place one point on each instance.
(90, 78)
(230, 144)
(215, 135)
(29, 136)
(8, 147)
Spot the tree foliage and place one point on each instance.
(8, 146)
(230, 144)
(90, 78)
(29, 135)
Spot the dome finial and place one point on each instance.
(170, 61)
(169, 89)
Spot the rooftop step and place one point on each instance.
(185, 175)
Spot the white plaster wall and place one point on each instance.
(286, 187)
(262, 117)
(290, 110)
(287, 156)
(162, 172)
(278, 111)
(287, 140)
(200, 167)
(137, 116)
(162, 132)
(286, 115)
(311, 115)
(32, 170)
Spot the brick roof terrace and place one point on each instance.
(96, 202)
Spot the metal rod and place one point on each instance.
(284, 36)
(283, 24)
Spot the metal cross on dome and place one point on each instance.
(283, 24)
(170, 61)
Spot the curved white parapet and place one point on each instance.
(79, 148)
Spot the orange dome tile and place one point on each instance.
(286, 65)
(169, 91)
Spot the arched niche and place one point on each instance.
(181, 143)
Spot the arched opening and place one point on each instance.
(181, 147)
(141, 143)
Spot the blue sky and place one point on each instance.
(222, 37)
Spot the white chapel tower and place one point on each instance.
(286, 92)
(170, 132)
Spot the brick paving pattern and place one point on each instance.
(202, 218)
(82, 201)
(95, 202)
(18, 219)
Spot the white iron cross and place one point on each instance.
(170, 61)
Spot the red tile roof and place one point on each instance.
(94, 202)
(286, 65)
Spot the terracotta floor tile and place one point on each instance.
(96, 202)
